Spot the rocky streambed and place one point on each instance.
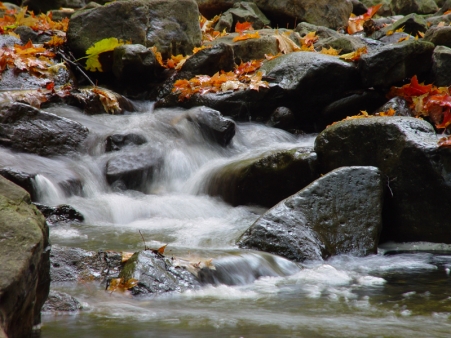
(220, 193)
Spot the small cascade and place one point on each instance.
(47, 192)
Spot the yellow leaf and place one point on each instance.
(330, 51)
(400, 30)
(246, 36)
(286, 45)
(354, 56)
(102, 46)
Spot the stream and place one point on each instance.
(403, 291)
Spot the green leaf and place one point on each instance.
(102, 46)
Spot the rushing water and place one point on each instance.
(404, 291)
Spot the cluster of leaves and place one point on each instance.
(207, 29)
(426, 100)
(244, 76)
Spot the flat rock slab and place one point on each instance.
(340, 213)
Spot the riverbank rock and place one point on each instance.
(441, 62)
(242, 12)
(339, 213)
(170, 25)
(156, 274)
(61, 302)
(415, 170)
(60, 214)
(266, 179)
(24, 128)
(24, 267)
(439, 36)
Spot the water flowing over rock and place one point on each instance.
(264, 180)
(24, 128)
(416, 172)
(340, 213)
(24, 267)
(171, 25)
(117, 141)
(156, 274)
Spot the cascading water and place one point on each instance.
(255, 294)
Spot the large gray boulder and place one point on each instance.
(340, 213)
(416, 171)
(24, 128)
(266, 179)
(170, 25)
(330, 13)
(393, 63)
(24, 267)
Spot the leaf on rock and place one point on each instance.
(444, 142)
(388, 112)
(286, 45)
(354, 56)
(330, 51)
(245, 26)
(119, 284)
(108, 99)
(309, 39)
(355, 23)
(246, 36)
(102, 46)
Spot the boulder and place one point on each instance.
(133, 169)
(24, 128)
(118, 141)
(78, 265)
(439, 36)
(282, 118)
(170, 25)
(411, 24)
(399, 105)
(415, 170)
(387, 65)
(405, 7)
(60, 214)
(25, 280)
(264, 180)
(156, 274)
(339, 213)
(212, 125)
(441, 63)
(242, 12)
(435, 20)
(209, 61)
(61, 302)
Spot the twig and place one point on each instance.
(145, 246)
(77, 66)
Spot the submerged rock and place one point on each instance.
(416, 171)
(156, 274)
(24, 267)
(264, 180)
(24, 128)
(339, 213)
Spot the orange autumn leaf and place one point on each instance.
(447, 12)
(245, 26)
(444, 142)
(330, 51)
(355, 23)
(354, 56)
(309, 39)
(248, 67)
(55, 41)
(389, 112)
(246, 36)
(119, 284)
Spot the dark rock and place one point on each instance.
(395, 38)
(60, 214)
(441, 63)
(385, 10)
(435, 20)
(134, 169)
(212, 125)
(340, 213)
(117, 141)
(398, 104)
(405, 7)
(367, 100)
(439, 36)
(24, 128)
(75, 265)
(24, 281)
(282, 118)
(242, 12)
(358, 8)
(412, 24)
(172, 26)
(156, 274)
(61, 302)
(26, 34)
(210, 61)
(390, 64)
(22, 179)
(416, 172)
(264, 180)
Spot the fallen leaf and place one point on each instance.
(441, 24)
(119, 284)
(309, 39)
(330, 51)
(245, 26)
(389, 112)
(354, 56)
(125, 256)
(246, 36)
(355, 23)
(108, 100)
(102, 46)
(286, 45)
(444, 142)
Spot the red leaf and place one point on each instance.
(245, 26)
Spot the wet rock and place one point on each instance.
(22, 179)
(264, 180)
(282, 118)
(399, 105)
(212, 125)
(412, 24)
(439, 36)
(75, 264)
(242, 12)
(172, 26)
(395, 38)
(390, 64)
(60, 214)
(117, 141)
(156, 274)
(441, 63)
(210, 61)
(26, 34)
(24, 128)
(340, 213)
(61, 302)
(24, 277)
(385, 10)
(133, 170)
(405, 7)
(415, 171)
